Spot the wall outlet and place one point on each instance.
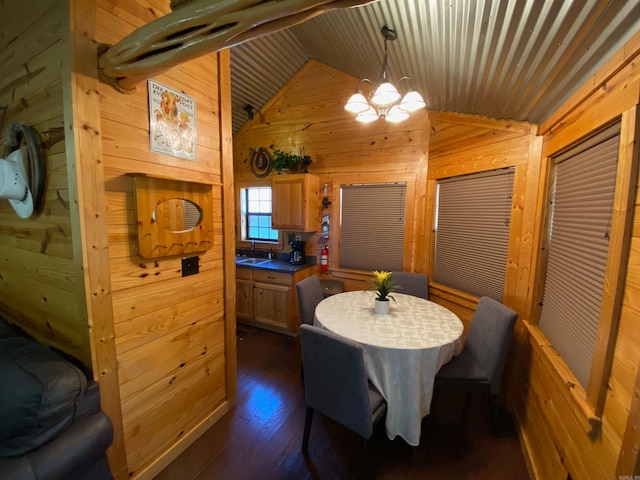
(298, 238)
(190, 266)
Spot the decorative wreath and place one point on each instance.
(260, 162)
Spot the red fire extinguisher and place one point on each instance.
(324, 259)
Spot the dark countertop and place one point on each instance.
(273, 265)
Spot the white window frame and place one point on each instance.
(243, 227)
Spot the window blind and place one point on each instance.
(578, 247)
(192, 215)
(472, 225)
(372, 219)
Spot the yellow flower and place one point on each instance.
(381, 276)
(383, 284)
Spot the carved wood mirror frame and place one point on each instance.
(157, 235)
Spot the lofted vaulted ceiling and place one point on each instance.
(505, 59)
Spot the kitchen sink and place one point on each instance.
(253, 261)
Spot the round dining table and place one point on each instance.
(403, 350)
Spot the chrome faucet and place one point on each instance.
(253, 248)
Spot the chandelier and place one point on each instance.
(383, 102)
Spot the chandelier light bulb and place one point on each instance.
(357, 103)
(368, 116)
(396, 115)
(386, 94)
(412, 101)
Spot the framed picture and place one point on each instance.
(172, 122)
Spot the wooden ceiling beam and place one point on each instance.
(200, 27)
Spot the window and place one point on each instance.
(372, 226)
(255, 208)
(472, 223)
(580, 220)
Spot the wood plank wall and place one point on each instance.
(439, 145)
(41, 267)
(342, 151)
(172, 336)
(552, 422)
(162, 346)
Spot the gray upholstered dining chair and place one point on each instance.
(481, 362)
(416, 284)
(310, 294)
(336, 385)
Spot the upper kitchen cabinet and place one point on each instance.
(295, 202)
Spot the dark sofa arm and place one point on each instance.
(83, 444)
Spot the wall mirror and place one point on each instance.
(173, 217)
(177, 215)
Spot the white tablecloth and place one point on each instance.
(403, 350)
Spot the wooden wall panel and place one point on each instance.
(454, 134)
(599, 455)
(135, 332)
(22, 19)
(546, 457)
(170, 331)
(568, 427)
(60, 289)
(43, 289)
(46, 21)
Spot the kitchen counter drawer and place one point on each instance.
(244, 273)
(266, 276)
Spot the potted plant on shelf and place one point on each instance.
(283, 162)
(383, 285)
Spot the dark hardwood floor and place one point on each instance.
(260, 437)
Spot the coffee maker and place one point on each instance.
(297, 256)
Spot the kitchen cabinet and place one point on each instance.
(295, 203)
(268, 298)
(244, 294)
(272, 298)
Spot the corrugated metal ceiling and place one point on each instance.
(506, 59)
